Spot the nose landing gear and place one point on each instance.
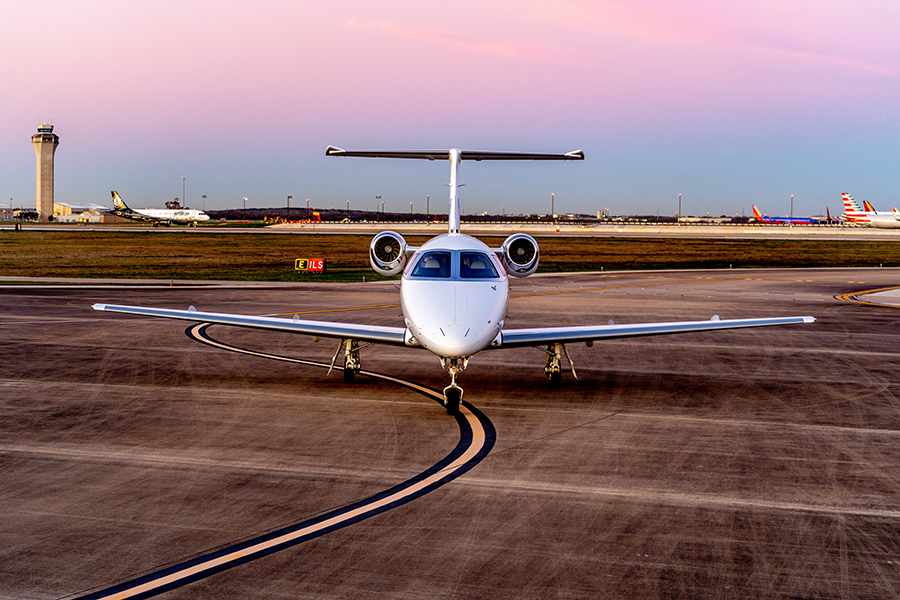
(453, 393)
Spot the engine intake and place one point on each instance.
(387, 253)
(520, 255)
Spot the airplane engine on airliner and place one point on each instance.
(520, 255)
(387, 253)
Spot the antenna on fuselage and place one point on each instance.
(455, 156)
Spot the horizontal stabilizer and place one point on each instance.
(445, 154)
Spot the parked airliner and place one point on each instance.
(764, 218)
(454, 294)
(854, 214)
(165, 216)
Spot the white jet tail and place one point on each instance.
(454, 155)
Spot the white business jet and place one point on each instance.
(454, 294)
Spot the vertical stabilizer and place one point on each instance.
(453, 216)
(455, 156)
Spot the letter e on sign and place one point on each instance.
(317, 264)
(301, 264)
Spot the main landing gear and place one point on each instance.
(453, 393)
(352, 364)
(553, 370)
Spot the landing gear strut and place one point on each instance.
(552, 369)
(453, 393)
(352, 364)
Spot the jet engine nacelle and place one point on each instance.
(387, 253)
(520, 255)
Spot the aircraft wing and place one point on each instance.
(366, 333)
(512, 338)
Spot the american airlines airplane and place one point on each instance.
(854, 214)
(157, 216)
(454, 294)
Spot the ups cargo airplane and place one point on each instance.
(454, 294)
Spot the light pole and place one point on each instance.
(289, 208)
(792, 210)
(377, 198)
(308, 216)
(427, 205)
(183, 199)
(410, 211)
(348, 210)
(552, 209)
(204, 201)
(678, 217)
(245, 208)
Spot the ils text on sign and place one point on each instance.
(314, 265)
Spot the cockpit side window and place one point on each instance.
(476, 265)
(433, 264)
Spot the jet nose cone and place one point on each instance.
(457, 340)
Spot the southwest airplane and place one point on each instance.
(454, 294)
(764, 218)
(854, 214)
(166, 216)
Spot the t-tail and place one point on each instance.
(759, 216)
(455, 156)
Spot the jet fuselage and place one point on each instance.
(454, 295)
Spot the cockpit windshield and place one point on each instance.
(433, 264)
(476, 265)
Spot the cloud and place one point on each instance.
(459, 43)
(712, 25)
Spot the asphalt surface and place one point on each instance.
(757, 463)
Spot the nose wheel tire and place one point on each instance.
(451, 400)
(349, 375)
(555, 379)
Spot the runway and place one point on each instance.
(755, 463)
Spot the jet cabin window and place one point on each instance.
(433, 264)
(476, 265)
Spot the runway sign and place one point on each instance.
(314, 265)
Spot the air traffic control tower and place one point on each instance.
(45, 143)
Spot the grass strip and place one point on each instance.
(270, 257)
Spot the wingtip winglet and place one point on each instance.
(576, 154)
(809, 319)
(334, 151)
(98, 306)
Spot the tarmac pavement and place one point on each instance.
(739, 464)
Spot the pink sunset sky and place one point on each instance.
(729, 103)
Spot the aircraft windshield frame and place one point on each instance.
(434, 264)
(476, 265)
(454, 265)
